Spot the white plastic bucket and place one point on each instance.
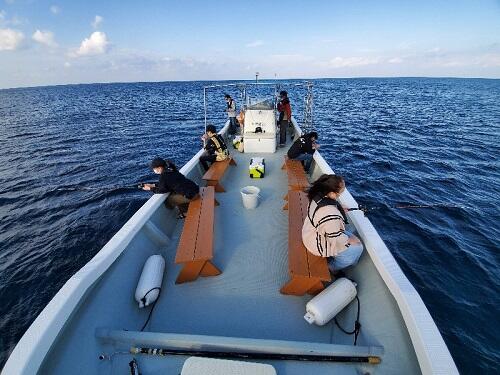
(250, 196)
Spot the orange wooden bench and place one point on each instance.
(297, 177)
(215, 173)
(195, 250)
(307, 271)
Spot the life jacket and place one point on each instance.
(231, 111)
(221, 151)
(322, 202)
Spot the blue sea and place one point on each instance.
(70, 156)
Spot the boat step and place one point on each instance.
(233, 344)
(156, 234)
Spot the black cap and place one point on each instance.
(283, 93)
(158, 162)
(211, 128)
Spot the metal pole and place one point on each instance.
(205, 105)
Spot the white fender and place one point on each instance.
(148, 288)
(323, 308)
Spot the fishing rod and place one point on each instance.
(366, 209)
(105, 188)
(257, 355)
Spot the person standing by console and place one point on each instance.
(285, 116)
(182, 190)
(231, 114)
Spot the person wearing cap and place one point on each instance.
(231, 113)
(303, 149)
(215, 147)
(285, 116)
(182, 190)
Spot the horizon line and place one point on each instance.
(247, 80)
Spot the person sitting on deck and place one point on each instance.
(323, 231)
(182, 190)
(303, 149)
(215, 147)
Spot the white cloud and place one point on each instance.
(2, 14)
(96, 44)
(44, 37)
(97, 22)
(348, 62)
(54, 9)
(67, 64)
(255, 43)
(395, 60)
(10, 39)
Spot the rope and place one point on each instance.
(357, 325)
(143, 299)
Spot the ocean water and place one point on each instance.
(70, 156)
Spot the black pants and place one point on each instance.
(205, 158)
(233, 126)
(179, 201)
(283, 129)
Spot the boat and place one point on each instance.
(236, 314)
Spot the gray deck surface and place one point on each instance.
(251, 249)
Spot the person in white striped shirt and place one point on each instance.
(324, 231)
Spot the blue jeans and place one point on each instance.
(347, 258)
(307, 158)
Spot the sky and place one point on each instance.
(63, 42)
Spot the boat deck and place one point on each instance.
(244, 302)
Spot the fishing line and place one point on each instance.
(366, 209)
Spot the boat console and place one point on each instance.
(260, 128)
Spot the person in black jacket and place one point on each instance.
(215, 147)
(303, 149)
(182, 190)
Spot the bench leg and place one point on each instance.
(218, 187)
(189, 271)
(192, 270)
(316, 288)
(209, 269)
(300, 285)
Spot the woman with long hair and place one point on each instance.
(324, 233)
